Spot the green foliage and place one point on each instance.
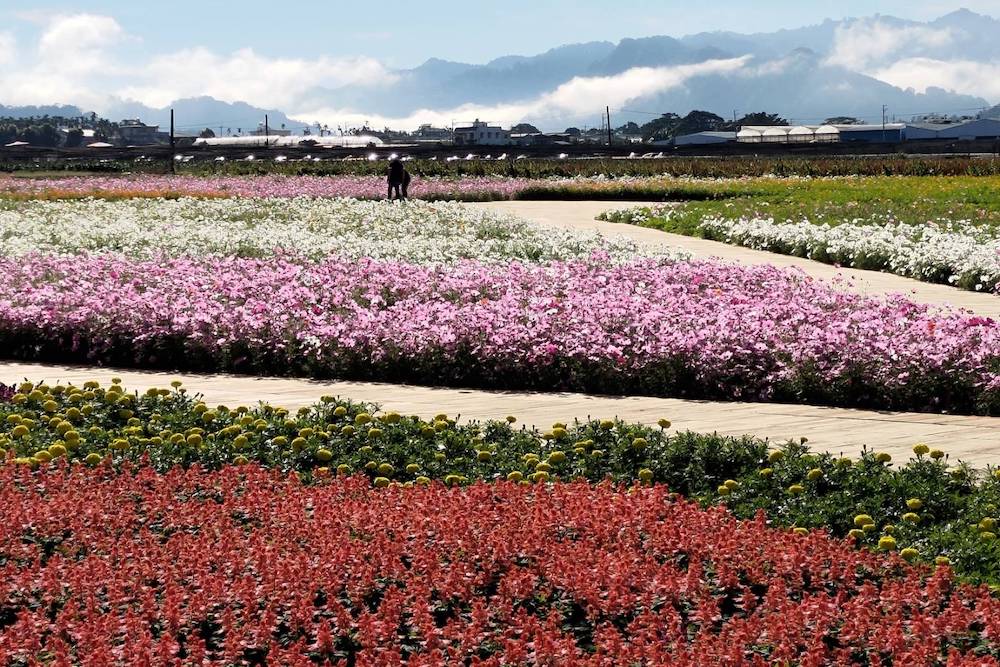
(927, 504)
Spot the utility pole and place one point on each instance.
(266, 130)
(173, 157)
(884, 109)
(607, 110)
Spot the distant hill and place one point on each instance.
(63, 110)
(193, 114)
(801, 73)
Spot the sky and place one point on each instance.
(272, 54)
(405, 33)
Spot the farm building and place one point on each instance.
(704, 138)
(970, 130)
(808, 134)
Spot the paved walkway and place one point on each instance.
(580, 215)
(972, 439)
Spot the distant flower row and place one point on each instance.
(416, 232)
(362, 187)
(656, 327)
(958, 253)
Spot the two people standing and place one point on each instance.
(399, 179)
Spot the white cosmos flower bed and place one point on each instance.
(958, 253)
(414, 232)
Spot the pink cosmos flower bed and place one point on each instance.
(361, 187)
(698, 329)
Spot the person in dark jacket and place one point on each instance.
(397, 176)
(406, 184)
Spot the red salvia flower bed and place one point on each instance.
(248, 566)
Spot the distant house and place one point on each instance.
(86, 134)
(428, 132)
(133, 132)
(482, 134)
(269, 131)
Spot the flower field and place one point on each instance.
(416, 232)
(251, 566)
(693, 329)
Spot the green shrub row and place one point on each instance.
(927, 505)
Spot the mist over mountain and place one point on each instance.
(850, 67)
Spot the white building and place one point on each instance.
(482, 134)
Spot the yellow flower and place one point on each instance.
(731, 484)
(324, 455)
(92, 459)
(909, 554)
(937, 454)
(987, 536)
(423, 481)
(343, 469)
(241, 460)
(452, 480)
(801, 531)
(844, 462)
(639, 443)
(607, 424)
(413, 468)
(374, 433)
(484, 456)
(911, 517)
(339, 411)
(664, 423)
(766, 472)
(515, 476)
(941, 561)
(863, 520)
(57, 450)
(914, 504)
(348, 430)
(195, 440)
(386, 470)
(724, 490)
(543, 467)
(646, 475)
(988, 523)
(775, 456)
(883, 457)
(511, 419)
(856, 534)
(920, 449)
(597, 453)
(362, 418)
(559, 433)
(796, 489)
(381, 482)
(557, 457)
(887, 543)
(393, 418)
(814, 474)
(20, 431)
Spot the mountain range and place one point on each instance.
(849, 67)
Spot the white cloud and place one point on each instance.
(961, 76)
(245, 76)
(579, 98)
(8, 49)
(860, 45)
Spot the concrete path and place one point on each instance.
(972, 439)
(580, 215)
